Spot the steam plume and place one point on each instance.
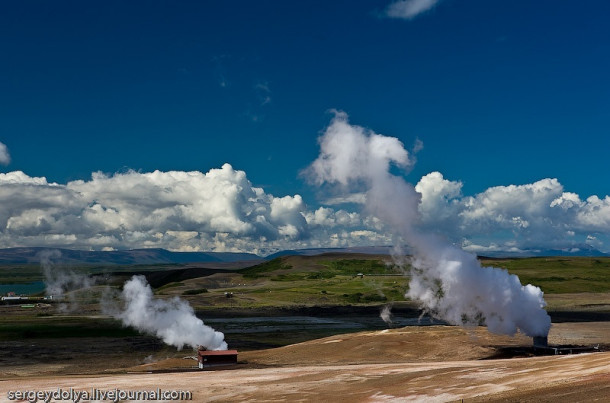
(59, 281)
(173, 320)
(386, 315)
(449, 283)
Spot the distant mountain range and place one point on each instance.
(162, 256)
(159, 256)
(122, 257)
(584, 251)
(369, 250)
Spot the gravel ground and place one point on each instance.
(433, 363)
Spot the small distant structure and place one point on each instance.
(542, 347)
(209, 359)
(14, 298)
(360, 275)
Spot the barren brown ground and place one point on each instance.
(438, 363)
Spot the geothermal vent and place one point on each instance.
(541, 347)
(541, 341)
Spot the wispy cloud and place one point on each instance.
(220, 71)
(263, 93)
(409, 9)
(5, 157)
(257, 106)
(357, 198)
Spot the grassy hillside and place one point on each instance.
(560, 275)
(334, 279)
(327, 279)
(323, 266)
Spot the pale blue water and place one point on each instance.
(23, 288)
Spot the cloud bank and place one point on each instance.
(218, 210)
(221, 210)
(409, 9)
(539, 215)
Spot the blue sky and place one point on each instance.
(499, 92)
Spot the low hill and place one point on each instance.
(325, 264)
(367, 250)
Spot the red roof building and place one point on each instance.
(209, 359)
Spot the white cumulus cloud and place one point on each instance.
(217, 210)
(221, 210)
(514, 218)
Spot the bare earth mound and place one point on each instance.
(436, 363)
(409, 344)
(581, 377)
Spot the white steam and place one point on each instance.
(173, 320)
(449, 282)
(386, 315)
(61, 282)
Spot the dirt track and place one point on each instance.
(429, 364)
